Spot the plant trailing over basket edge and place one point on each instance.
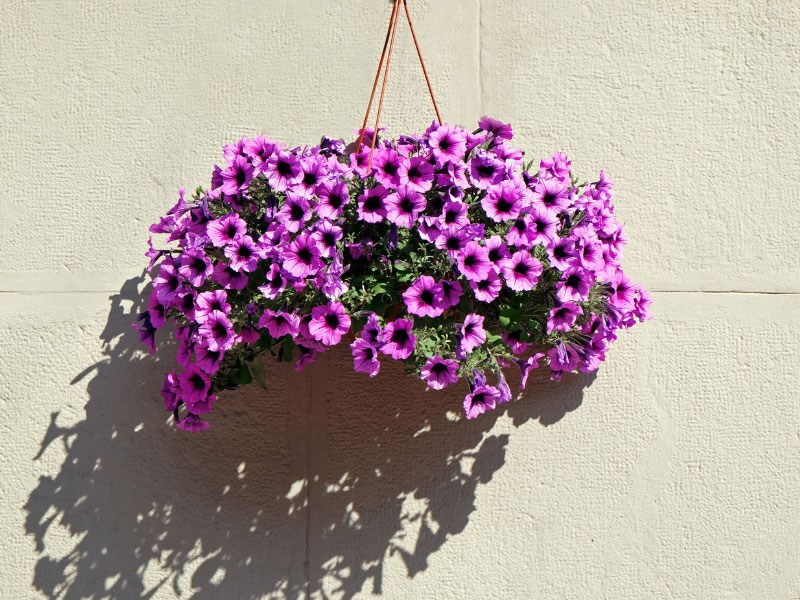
(444, 250)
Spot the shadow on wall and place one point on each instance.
(231, 513)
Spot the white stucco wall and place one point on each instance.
(674, 473)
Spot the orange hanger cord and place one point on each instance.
(389, 42)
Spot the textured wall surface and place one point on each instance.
(673, 473)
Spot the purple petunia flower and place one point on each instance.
(543, 226)
(551, 195)
(416, 173)
(217, 331)
(403, 206)
(327, 236)
(504, 202)
(472, 333)
(521, 233)
(195, 266)
(558, 167)
(453, 239)
(497, 252)
(279, 323)
(526, 366)
(574, 285)
(496, 128)
(623, 291)
(424, 297)
(224, 230)
(439, 372)
(365, 357)
(455, 212)
(386, 164)
(312, 173)
(171, 391)
(473, 262)
(260, 150)
(294, 213)
(448, 144)
(371, 205)
(168, 283)
(522, 271)
(563, 358)
(561, 253)
(228, 278)
(192, 423)
(485, 170)
(208, 302)
(487, 289)
(481, 399)
(397, 340)
(276, 283)
(451, 292)
(237, 176)
(157, 311)
(283, 170)
(642, 304)
(243, 254)
(147, 333)
(329, 323)
(332, 198)
(208, 360)
(194, 384)
(371, 331)
(562, 318)
(301, 258)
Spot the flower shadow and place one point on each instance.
(306, 489)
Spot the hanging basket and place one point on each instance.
(447, 250)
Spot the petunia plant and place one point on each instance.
(446, 251)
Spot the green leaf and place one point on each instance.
(241, 375)
(288, 347)
(258, 372)
(509, 317)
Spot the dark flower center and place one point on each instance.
(372, 203)
(470, 261)
(560, 252)
(220, 331)
(519, 225)
(540, 226)
(284, 168)
(413, 172)
(439, 369)
(198, 265)
(297, 212)
(445, 144)
(390, 169)
(450, 216)
(453, 243)
(231, 231)
(335, 201)
(400, 336)
(197, 382)
(503, 205)
(244, 252)
(310, 179)
(304, 255)
(329, 239)
(483, 285)
(426, 296)
(240, 177)
(494, 254)
(573, 281)
(549, 199)
(485, 170)
(332, 321)
(521, 269)
(406, 205)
